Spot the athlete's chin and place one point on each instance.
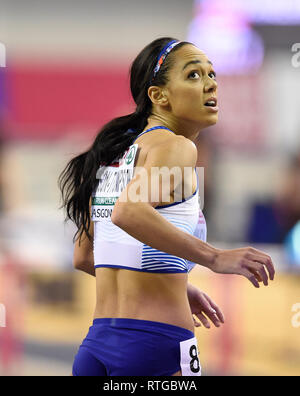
(210, 121)
(213, 120)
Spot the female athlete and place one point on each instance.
(136, 236)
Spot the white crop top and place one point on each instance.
(113, 247)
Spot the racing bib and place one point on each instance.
(189, 360)
(112, 181)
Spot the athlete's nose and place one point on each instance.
(211, 85)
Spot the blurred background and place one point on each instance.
(63, 74)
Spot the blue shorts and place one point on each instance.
(133, 347)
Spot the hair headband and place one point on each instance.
(162, 56)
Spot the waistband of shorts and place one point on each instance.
(140, 324)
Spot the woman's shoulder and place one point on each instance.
(165, 138)
(176, 144)
(172, 149)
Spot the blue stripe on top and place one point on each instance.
(176, 203)
(153, 259)
(185, 199)
(171, 269)
(152, 129)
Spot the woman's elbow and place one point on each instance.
(77, 264)
(120, 215)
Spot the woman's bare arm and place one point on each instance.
(143, 222)
(83, 257)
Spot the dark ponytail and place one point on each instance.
(78, 179)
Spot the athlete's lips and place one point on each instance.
(212, 99)
(211, 104)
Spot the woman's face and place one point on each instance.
(192, 82)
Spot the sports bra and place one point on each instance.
(113, 247)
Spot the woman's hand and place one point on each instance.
(248, 262)
(202, 305)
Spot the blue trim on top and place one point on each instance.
(176, 203)
(152, 129)
(179, 202)
(159, 271)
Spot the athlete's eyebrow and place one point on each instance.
(194, 62)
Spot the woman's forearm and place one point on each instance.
(143, 222)
(87, 267)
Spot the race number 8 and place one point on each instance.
(194, 363)
(189, 359)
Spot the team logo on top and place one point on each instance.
(130, 155)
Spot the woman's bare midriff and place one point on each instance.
(140, 295)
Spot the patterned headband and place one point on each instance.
(162, 56)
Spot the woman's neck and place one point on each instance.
(179, 128)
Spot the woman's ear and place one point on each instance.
(157, 95)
